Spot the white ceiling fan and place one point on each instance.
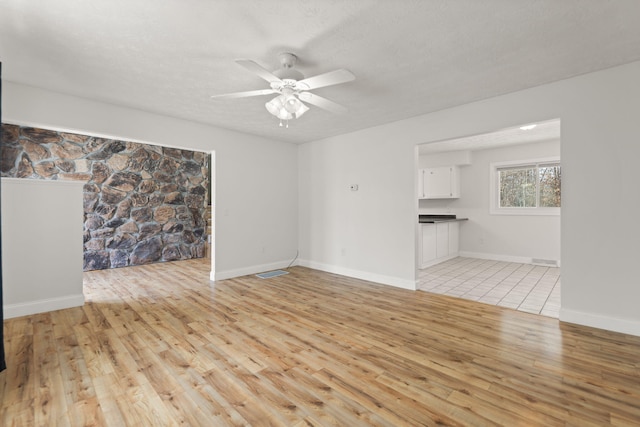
(292, 88)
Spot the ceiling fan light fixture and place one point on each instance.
(303, 109)
(284, 115)
(286, 107)
(291, 88)
(292, 104)
(275, 105)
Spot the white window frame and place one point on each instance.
(494, 192)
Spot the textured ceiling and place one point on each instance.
(409, 57)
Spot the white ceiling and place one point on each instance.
(410, 57)
(543, 131)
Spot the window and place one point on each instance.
(529, 188)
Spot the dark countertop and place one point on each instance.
(432, 219)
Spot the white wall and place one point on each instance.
(255, 180)
(446, 158)
(517, 238)
(377, 226)
(355, 233)
(41, 245)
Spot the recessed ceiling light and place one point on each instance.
(528, 127)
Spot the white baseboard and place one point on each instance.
(363, 275)
(245, 271)
(437, 261)
(42, 306)
(615, 324)
(504, 258)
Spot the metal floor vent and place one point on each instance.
(270, 274)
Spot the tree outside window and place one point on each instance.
(550, 178)
(528, 188)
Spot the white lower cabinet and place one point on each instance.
(454, 238)
(428, 244)
(442, 239)
(439, 242)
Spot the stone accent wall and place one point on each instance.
(142, 203)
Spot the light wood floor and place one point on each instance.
(159, 345)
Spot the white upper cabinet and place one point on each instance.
(439, 183)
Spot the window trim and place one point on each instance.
(494, 194)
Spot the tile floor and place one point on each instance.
(524, 287)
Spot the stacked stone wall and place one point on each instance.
(142, 203)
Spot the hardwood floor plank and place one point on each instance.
(394, 407)
(86, 412)
(49, 403)
(247, 405)
(19, 415)
(160, 345)
(151, 366)
(115, 406)
(429, 395)
(95, 357)
(276, 407)
(301, 397)
(331, 403)
(20, 381)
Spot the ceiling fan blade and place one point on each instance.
(259, 70)
(244, 94)
(327, 79)
(323, 103)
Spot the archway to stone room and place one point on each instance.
(210, 252)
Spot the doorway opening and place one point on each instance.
(496, 238)
(210, 214)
